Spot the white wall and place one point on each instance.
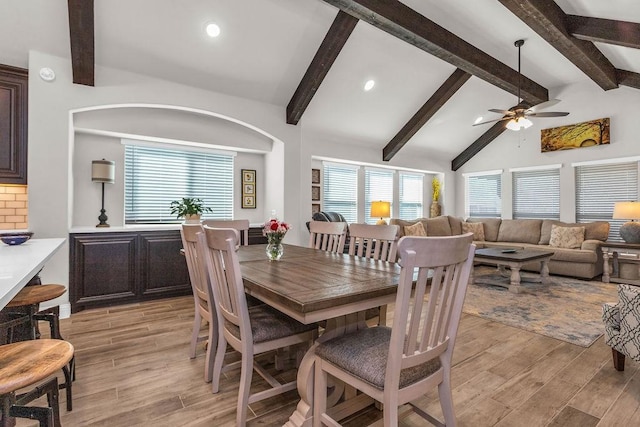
(585, 102)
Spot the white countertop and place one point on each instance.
(18, 264)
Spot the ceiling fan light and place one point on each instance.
(525, 123)
(513, 125)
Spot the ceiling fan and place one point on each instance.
(518, 116)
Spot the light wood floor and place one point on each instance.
(133, 369)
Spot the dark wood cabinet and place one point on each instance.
(256, 237)
(117, 268)
(13, 125)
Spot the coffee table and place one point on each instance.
(515, 258)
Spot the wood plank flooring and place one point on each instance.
(133, 369)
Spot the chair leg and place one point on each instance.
(211, 352)
(618, 360)
(319, 393)
(446, 401)
(221, 349)
(67, 386)
(246, 374)
(197, 323)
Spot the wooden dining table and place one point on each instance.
(311, 285)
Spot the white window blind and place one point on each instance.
(154, 177)
(484, 195)
(378, 185)
(411, 196)
(598, 187)
(340, 190)
(536, 194)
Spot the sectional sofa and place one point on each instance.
(584, 261)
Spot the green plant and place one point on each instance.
(188, 206)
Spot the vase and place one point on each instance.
(192, 219)
(435, 209)
(274, 251)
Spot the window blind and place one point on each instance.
(154, 177)
(598, 187)
(340, 190)
(536, 194)
(484, 195)
(411, 196)
(378, 185)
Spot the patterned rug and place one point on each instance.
(567, 309)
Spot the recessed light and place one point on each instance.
(213, 30)
(47, 74)
(478, 120)
(369, 85)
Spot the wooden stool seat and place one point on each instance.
(31, 295)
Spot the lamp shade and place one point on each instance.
(380, 209)
(103, 171)
(626, 210)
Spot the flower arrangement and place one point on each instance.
(274, 231)
(435, 186)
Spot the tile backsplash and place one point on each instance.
(13, 207)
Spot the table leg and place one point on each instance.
(514, 285)
(544, 271)
(605, 266)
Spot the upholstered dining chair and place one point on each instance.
(242, 225)
(622, 325)
(202, 298)
(377, 242)
(328, 236)
(249, 330)
(397, 365)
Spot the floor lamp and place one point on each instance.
(103, 171)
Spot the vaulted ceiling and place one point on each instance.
(437, 65)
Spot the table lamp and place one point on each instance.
(380, 210)
(103, 171)
(629, 231)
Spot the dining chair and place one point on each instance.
(328, 236)
(249, 330)
(202, 298)
(397, 365)
(377, 242)
(242, 225)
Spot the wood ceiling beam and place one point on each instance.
(628, 78)
(435, 102)
(484, 140)
(81, 32)
(327, 53)
(405, 23)
(547, 19)
(608, 31)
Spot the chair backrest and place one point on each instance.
(218, 246)
(328, 236)
(423, 330)
(196, 267)
(373, 241)
(242, 225)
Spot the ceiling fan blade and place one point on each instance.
(547, 114)
(503, 112)
(491, 121)
(543, 105)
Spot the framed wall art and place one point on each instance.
(315, 176)
(248, 188)
(315, 193)
(585, 134)
(315, 208)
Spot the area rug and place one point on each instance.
(565, 308)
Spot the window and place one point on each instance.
(536, 194)
(598, 187)
(156, 176)
(378, 185)
(411, 196)
(484, 195)
(340, 190)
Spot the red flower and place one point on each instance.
(274, 225)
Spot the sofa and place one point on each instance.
(328, 216)
(584, 260)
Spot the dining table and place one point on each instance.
(312, 285)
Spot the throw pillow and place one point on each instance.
(566, 237)
(416, 229)
(477, 228)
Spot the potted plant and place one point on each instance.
(189, 208)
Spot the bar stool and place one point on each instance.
(29, 299)
(24, 364)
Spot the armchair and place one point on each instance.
(622, 325)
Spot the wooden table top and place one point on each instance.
(310, 284)
(520, 254)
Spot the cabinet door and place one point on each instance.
(13, 125)
(102, 269)
(163, 268)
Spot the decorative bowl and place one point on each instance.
(14, 239)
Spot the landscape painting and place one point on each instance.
(585, 134)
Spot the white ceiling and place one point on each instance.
(266, 46)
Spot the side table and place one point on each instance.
(621, 262)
